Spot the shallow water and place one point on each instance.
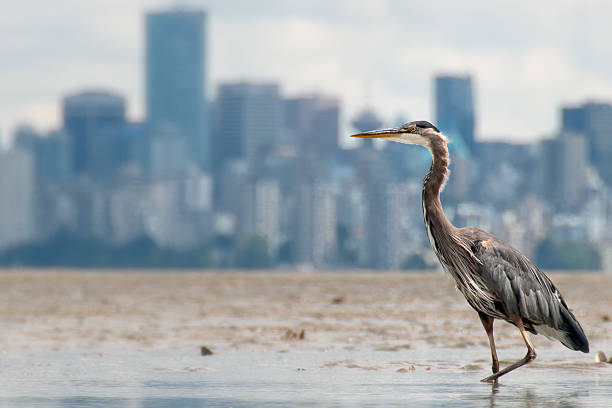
(133, 340)
(183, 378)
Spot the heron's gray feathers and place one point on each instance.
(518, 285)
(522, 289)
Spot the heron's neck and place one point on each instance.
(433, 185)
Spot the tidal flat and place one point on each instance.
(135, 338)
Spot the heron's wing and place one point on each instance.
(520, 286)
(524, 290)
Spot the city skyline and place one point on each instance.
(323, 49)
(269, 185)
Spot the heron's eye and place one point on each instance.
(412, 129)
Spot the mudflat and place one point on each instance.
(138, 338)
(57, 309)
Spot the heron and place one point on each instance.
(497, 280)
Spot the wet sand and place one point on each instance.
(59, 310)
(280, 339)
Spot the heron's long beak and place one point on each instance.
(391, 132)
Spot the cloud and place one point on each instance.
(525, 60)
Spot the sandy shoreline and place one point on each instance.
(264, 311)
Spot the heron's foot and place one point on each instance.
(494, 369)
(529, 357)
(491, 379)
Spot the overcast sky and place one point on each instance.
(526, 58)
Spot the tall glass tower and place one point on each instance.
(175, 79)
(455, 108)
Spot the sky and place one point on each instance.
(526, 58)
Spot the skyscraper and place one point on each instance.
(594, 121)
(88, 117)
(455, 108)
(565, 161)
(249, 119)
(176, 78)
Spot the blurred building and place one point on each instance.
(127, 212)
(375, 174)
(515, 164)
(51, 153)
(314, 121)
(262, 199)
(316, 241)
(392, 229)
(17, 198)
(458, 186)
(133, 147)
(53, 157)
(92, 119)
(352, 221)
(89, 215)
(565, 163)
(529, 226)
(454, 104)
(248, 121)
(232, 183)
(176, 78)
(25, 137)
(594, 121)
(178, 212)
(169, 155)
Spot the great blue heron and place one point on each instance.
(497, 280)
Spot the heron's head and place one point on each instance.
(419, 132)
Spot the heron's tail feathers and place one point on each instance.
(576, 339)
(570, 333)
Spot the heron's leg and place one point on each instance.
(487, 323)
(529, 357)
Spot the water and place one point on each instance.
(133, 340)
(325, 377)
